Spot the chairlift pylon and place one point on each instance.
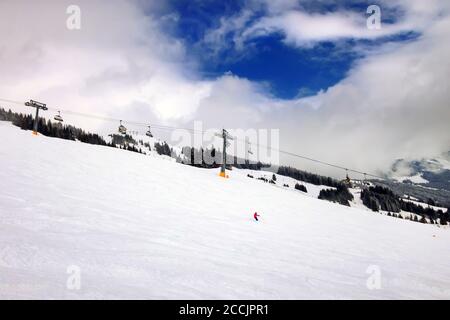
(249, 147)
(365, 183)
(58, 117)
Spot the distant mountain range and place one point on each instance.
(424, 178)
(432, 173)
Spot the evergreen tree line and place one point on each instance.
(58, 130)
(163, 149)
(125, 142)
(122, 139)
(308, 177)
(300, 187)
(246, 164)
(340, 195)
(271, 181)
(212, 158)
(380, 198)
(50, 129)
(201, 158)
(440, 197)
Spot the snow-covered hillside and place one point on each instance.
(434, 173)
(141, 226)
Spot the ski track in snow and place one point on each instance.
(146, 227)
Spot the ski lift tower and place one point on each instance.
(225, 136)
(38, 106)
(364, 184)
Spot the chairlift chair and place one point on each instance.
(347, 181)
(58, 117)
(122, 128)
(149, 133)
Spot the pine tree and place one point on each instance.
(300, 187)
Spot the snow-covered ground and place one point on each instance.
(312, 190)
(424, 205)
(417, 178)
(145, 227)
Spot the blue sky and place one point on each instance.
(287, 72)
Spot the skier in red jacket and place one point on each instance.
(256, 215)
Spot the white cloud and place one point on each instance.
(394, 103)
(119, 58)
(217, 38)
(302, 28)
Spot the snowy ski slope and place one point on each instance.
(141, 226)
